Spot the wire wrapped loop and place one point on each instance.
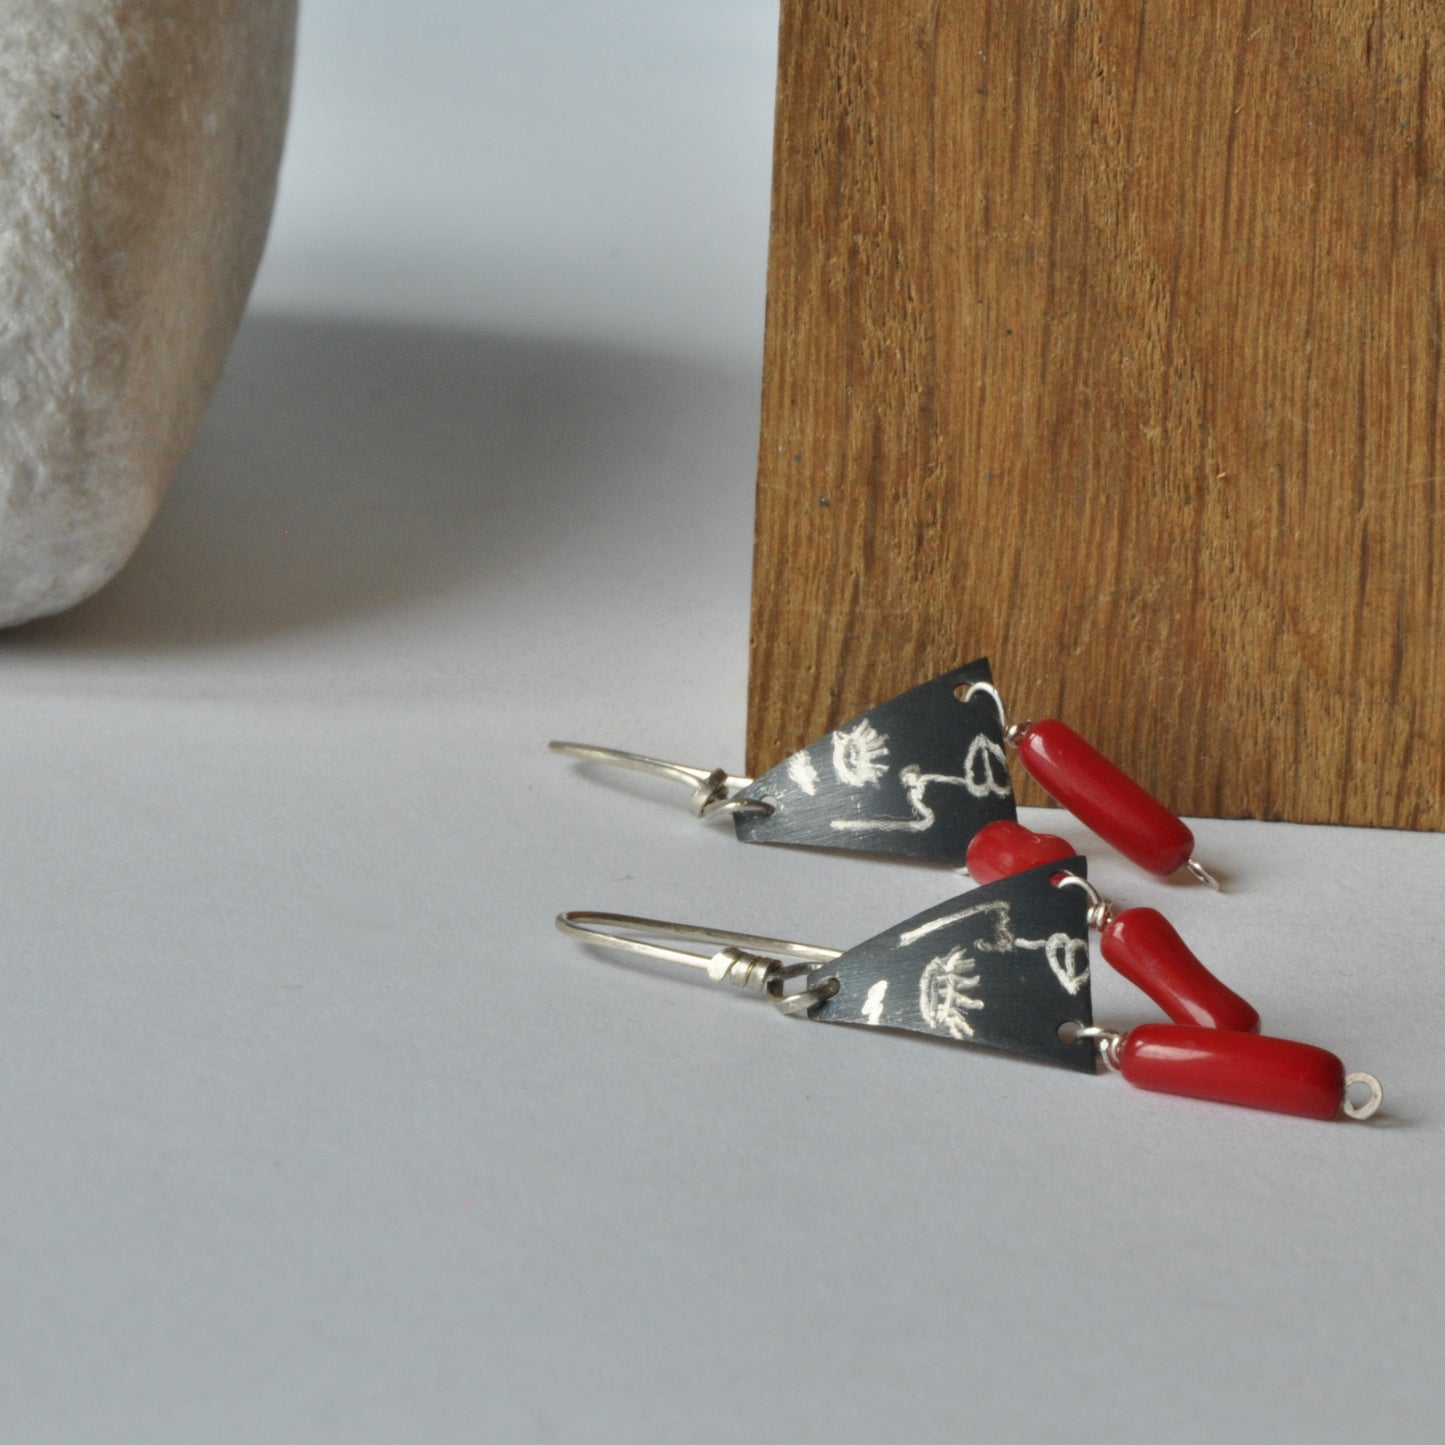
(1101, 911)
(748, 971)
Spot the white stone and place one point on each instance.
(139, 145)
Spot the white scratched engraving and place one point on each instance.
(914, 785)
(985, 769)
(803, 773)
(859, 753)
(1001, 942)
(1062, 953)
(942, 999)
(873, 1004)
(981, 768)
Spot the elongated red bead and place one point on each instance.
(1001, 849)
(1083, 780)
(1234, 1068)
(1143, 946)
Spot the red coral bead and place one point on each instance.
(1143, 946)
(1234, 1068)
(1110, 802)
(1001, 849)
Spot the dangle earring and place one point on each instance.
(916, 777)
(1005, 966)
(919, 775)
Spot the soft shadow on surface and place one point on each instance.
(345, 467)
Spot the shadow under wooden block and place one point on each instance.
(1106, 341)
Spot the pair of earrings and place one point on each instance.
(1006, 965)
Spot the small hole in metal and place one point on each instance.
(1069, 1031)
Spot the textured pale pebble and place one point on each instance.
(139, 146)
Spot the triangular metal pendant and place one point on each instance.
(917, 776)
(1003, 966)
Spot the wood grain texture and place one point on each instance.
(1105, 339)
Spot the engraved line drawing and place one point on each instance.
(1061, 951)
(859, 753)
(1001, 942)
(980, 766)
(941, 997)
(985, 769)
(914, 784)
(803, 773)
(1062, 954)
(873, 1004)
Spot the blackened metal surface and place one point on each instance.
(917, 776)
(1002, 966)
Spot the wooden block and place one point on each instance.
(1106, 340)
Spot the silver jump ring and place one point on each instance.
(1367, 1109)
(990, 691)
(711, 798)
(1015, 731)
(741, 807)
(805, 1000)
(1101, 911)
(1107, 1041)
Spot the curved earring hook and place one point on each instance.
(735, 961)
(713, 792)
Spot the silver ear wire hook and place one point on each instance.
(713, 793)
(735, 961)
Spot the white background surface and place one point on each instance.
(315, 1130)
